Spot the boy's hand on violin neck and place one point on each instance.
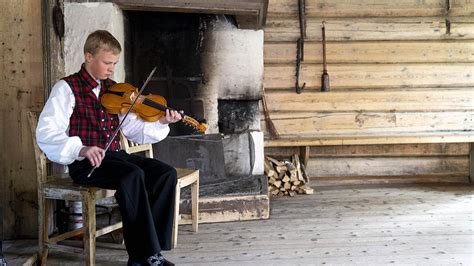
(171, 116)
(94, 154)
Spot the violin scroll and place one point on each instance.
(200, 127)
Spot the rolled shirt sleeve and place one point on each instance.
(53, 126)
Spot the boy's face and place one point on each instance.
(102, 64)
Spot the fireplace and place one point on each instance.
(211, 69)
(205, 69)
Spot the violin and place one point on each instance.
(120, 96)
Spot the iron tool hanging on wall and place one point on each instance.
(300, 44)
(325, 76)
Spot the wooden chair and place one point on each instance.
(186, 177)
(61, 187)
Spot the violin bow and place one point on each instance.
(111, 139)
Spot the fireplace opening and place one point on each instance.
(172, 42)
(237, 116)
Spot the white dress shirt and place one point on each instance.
(52, 133)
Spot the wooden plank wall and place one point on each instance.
(396, 67)
(22, 90)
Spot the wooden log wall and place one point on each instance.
(396, 68)
(21, 90)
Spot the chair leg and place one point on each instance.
(195, 205)
(43, 219)
(44, 256)
(174, 237)
(88, 219)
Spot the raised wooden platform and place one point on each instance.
(241, 199)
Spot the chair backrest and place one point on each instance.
(42, 162)
(132, 147)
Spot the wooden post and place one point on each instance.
(471, 163)
(304, 155)
(53, 63)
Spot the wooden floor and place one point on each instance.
(392, 224)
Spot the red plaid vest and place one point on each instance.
(89, 120)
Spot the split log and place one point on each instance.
(286, 177)
(268, 168)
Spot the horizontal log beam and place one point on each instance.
(383, 166)
(366, 76)
(250, 14)
(356, 52)
(374, 150)
(421, 100)
(452, 137)
(310, 124)
(370, 29)
(369, 8)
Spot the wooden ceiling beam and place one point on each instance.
(250, 14)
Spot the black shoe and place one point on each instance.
(159, 260)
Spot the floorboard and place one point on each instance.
(389, 224)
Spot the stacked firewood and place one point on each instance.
(286, 178)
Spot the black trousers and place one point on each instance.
(145, 194)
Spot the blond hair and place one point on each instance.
(101, 39)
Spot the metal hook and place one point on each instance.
(299, 56)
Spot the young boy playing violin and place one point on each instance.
(74, 128)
